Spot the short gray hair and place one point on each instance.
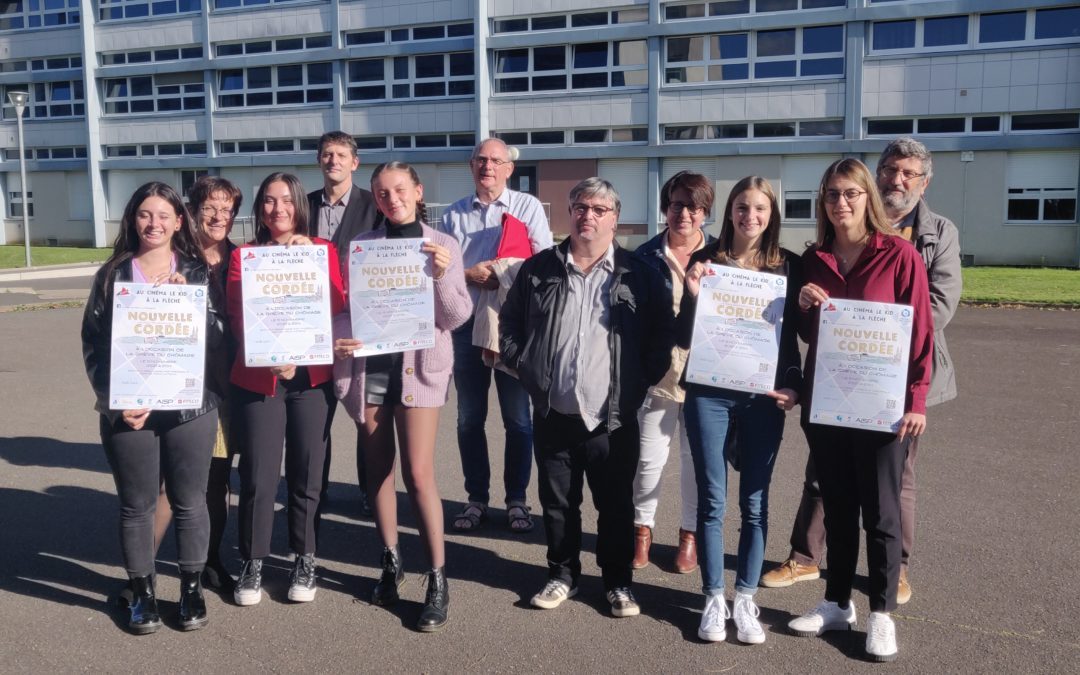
(907, 147)
(596, 187)
(491, 139)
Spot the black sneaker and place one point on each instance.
(248, 589)
(302, 579)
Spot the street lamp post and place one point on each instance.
(19, 99)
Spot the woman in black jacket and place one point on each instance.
(749, 239)
(156, 244)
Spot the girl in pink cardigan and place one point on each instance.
(406, 390)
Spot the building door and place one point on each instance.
(524, 180)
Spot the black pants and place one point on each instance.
(179, 453)
(298, 417)
(859, 472)
(567, 454)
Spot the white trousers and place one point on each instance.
(659, 419)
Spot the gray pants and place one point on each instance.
(163, 450)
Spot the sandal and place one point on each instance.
(470, 517)
(519, 518)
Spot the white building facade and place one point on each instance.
(126, 91)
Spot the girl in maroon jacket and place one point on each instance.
(857, 257)
(282, 405)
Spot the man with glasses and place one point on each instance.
(339, 212)
(589, 327)
(477, 222)
(904, 171)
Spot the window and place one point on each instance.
(894, 35)
(799, 179)
(945, 31)
(756, 130)
(986, 124)
(539, 137)
(696, 10)
(889, 127)
(15, 204)
(437, 32)
(591, 65)
(261, 146)
(1060, 23)
(45, 154)
(230, 4)
(23, 14)
(276, 85)
(589, 19)
(371, 142)
(146, 56)
(1041, 187)
(171, 92)
(617, 135)
(1002, 27)
(714, 58)
(366, 37)
(158, 150)
(1045, 122)
(279, 45)
(48, 100)
(133, 9)
(942, 125)
(790, 52)
(419, 76)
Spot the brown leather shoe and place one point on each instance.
(642, 544)
(686, 558)
(903, 589)
(789, 572)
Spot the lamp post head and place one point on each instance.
(19, 99)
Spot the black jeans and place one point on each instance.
(179, 453)
(859, 472)
(567, 454)
(298, 417)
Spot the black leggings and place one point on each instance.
(179, 453)
(298, 416)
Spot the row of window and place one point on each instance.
(617, 135)
(403, 77)
(416, 33)
(47, 99)
(42, 154)
(590, 65)
(699, 10)
(805, 128)
(812, 51)
(21, 14)
(167, 92)
(154, 55)
(950, 32)
(289, 44)
(520, 24)
(155, 150)
(976, 124)
(51, 63)
(395, 142)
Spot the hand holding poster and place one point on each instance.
(158, 347)
(286, 296)
(391, 296)
(736, 341)
(860, 380)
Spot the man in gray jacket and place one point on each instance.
(903, 174)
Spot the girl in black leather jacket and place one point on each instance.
(156, 244)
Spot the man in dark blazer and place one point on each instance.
(339, 212)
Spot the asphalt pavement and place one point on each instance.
(994, 570)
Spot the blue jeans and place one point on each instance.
(473, 380)
(757, 424)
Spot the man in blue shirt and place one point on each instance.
(476, 222)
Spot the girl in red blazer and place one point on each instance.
(281, 405)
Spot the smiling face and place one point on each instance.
(396, 195)
(491, 168)
(215, 218)
(156, 221)
(846, 215)
(337, 162)
(682, 217)
(278, 211)
(899, 195)
(750, 214)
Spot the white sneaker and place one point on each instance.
(880, 637)
(825, 617)
(745, 614)
(713, 618)
(553, 594)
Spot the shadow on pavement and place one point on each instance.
(49, 452)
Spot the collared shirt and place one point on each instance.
(331, 213)
(478, 226)
(669, 386)
(581, 377)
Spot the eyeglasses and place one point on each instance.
(677, 207)
(891, 171)
(833, 196)
(493, 161)
(580, 210)
(210, 212)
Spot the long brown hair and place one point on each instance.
(421, 207)
(856, 172)
(300, 205)
(768, 255)
(127, 241)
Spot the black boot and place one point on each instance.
(216, 577)
(393, 576)
(144, 612)
(192, 603)
(437, 603)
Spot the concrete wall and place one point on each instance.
(60, 210)
(555, 179)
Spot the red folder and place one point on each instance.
(514, 242)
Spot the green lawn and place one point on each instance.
(1022, 285)
(15, 256)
